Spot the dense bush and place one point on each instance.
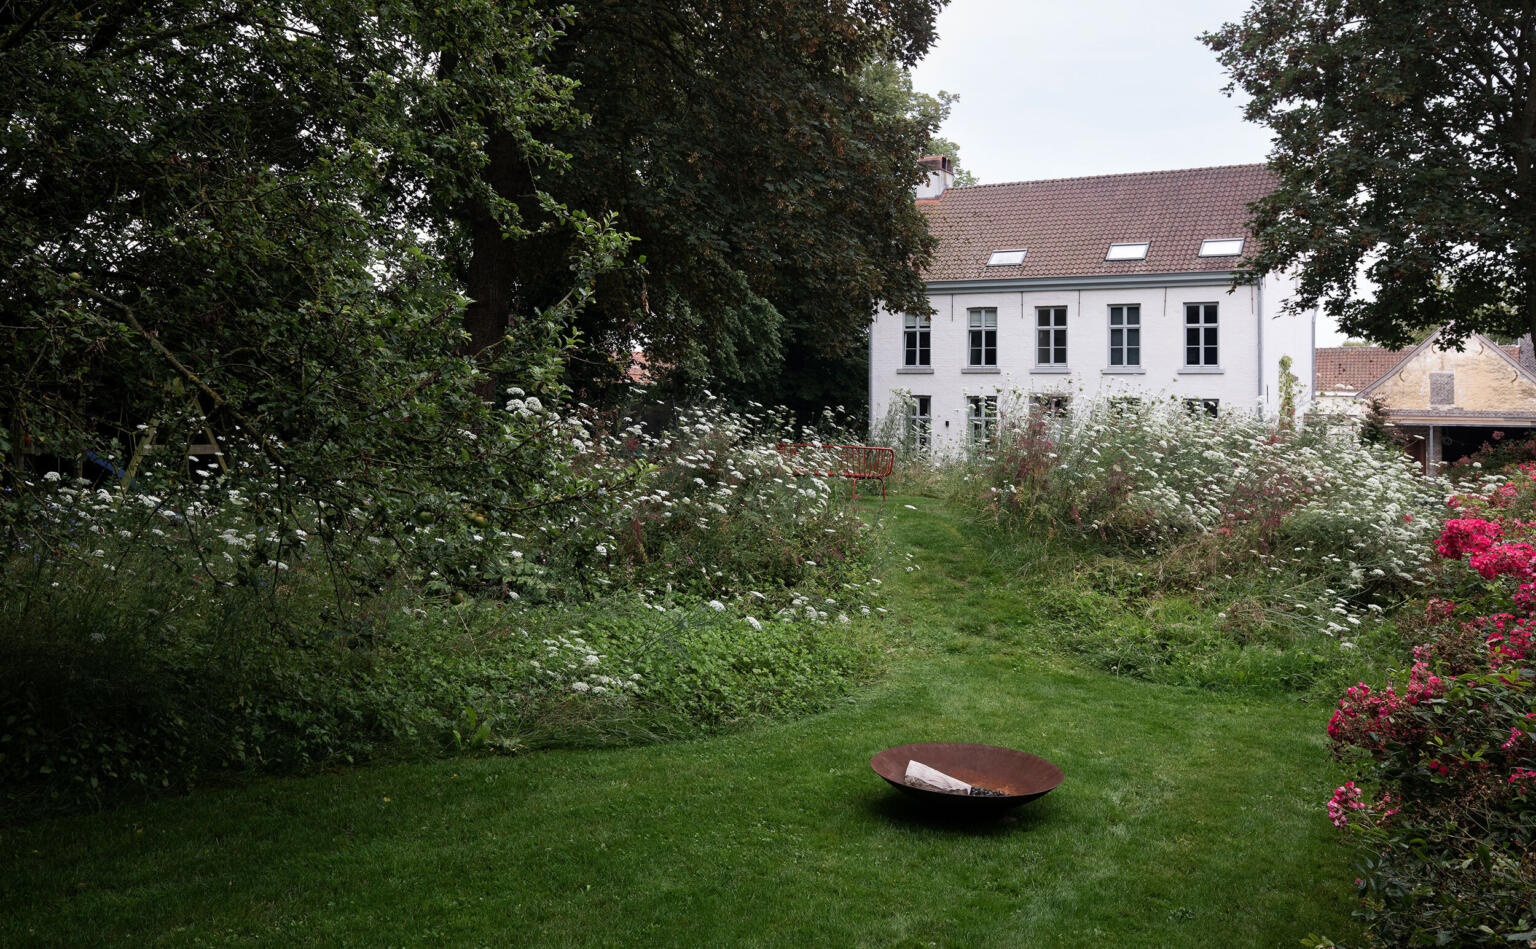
(1147, 474)
(1303, 539)
(1445, 808)
(197, 626)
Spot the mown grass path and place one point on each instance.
(1187, 819)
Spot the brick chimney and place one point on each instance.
(1527, 358)
(941, 174)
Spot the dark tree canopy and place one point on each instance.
(768, 194)
(1405, 146)
(249, 208)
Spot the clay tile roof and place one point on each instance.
(1067, 224)
(1352, 368)
(1349, 369)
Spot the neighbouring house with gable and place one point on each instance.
(1446, 402)
(1048, 293)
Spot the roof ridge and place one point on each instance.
(1118, 174)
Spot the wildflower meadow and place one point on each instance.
(199, 624)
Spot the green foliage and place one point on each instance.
(769, 194)
(1375, 427)
(242, 223)
(1403, 151)
(1445, 812)
(890, 86)
(198, 628)
(1289, 389)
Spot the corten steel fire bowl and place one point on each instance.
(1020, 777)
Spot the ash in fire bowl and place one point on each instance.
(979, 777)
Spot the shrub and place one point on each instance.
(201, 626)
(1151, 474)
(1445, 809)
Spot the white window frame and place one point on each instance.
(1051, 337)
(981, 418)
(917, 342)
(1222, 247)
(1206, 330)
(1130, 250)
(1007, 258)
(981, 337)
(1125, 328)
(920, 423)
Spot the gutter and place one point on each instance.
(1205, 278)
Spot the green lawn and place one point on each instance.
(1187, 818)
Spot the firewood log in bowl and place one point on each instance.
(1017, 776)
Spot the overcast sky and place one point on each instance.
(1061, 88)
(1086, 87)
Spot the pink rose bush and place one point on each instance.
(1450, 833)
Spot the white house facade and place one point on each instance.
(1052, 294)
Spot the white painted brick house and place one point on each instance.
(1083, 288)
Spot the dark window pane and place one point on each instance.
(1133, 337)
(1043, 356)
(1210, 355)
(1192, 337)
(1117, 338)
(1192, 356)
(1116, 316)
(1116, 358)
(1133, 356)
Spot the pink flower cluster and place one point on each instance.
(1506, 560)
(1400, 729)
(1346, 800)
(1370, 719)
(1467, 535)
(1511, 640)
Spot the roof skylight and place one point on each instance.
(1002, 258)
(1224, 247)
(1127, 251)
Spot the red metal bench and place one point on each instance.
(855, 462)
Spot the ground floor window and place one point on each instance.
(920, 422)
(1049, 405)
(1207, 406)
(981, 412)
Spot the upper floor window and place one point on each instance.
(983, 337)
(916, 341)
(920, 422)
(1200, 334)
(1051, 336)
(1125, 335)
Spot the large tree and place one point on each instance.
(769, 196)
(253, 209)
(1405, 150)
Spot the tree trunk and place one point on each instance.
(489, 281)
